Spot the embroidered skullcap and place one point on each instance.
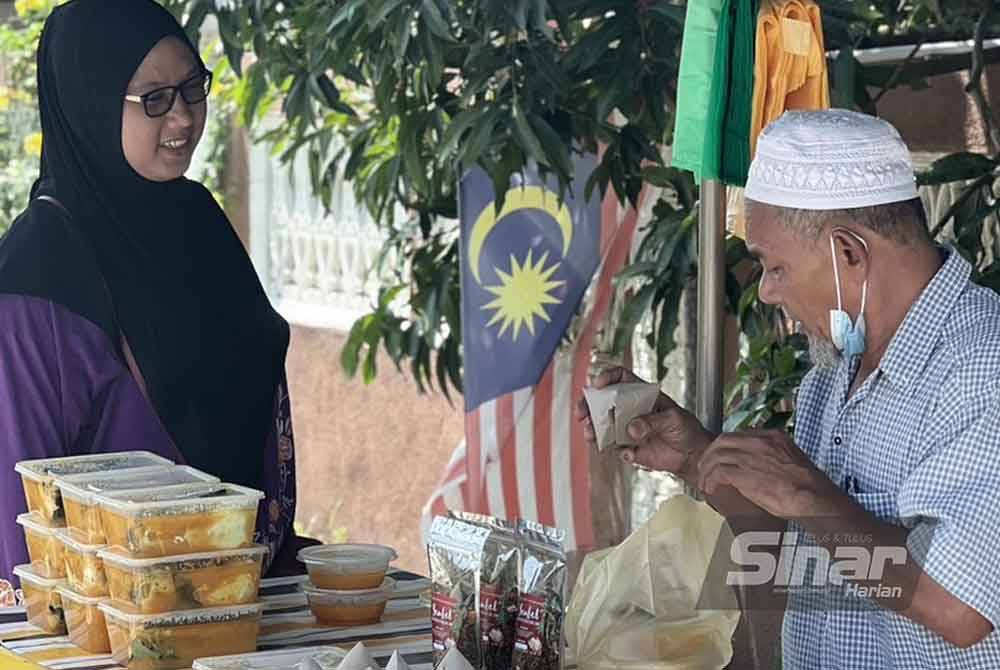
(830, 159)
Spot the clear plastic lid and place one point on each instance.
(69, 594)
(83, 487)
(45, 469)
(186, 499)
(117, 557)
(332, 598)
(348, 558)
(324, 658)
(71, 540)
(130, 617)
(26, 573)
(34, 522)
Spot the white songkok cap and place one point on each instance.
(830, 159)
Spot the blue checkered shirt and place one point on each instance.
(917, 445)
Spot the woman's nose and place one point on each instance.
(181, 112)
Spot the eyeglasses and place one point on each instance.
(160, 101)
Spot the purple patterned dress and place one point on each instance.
(64, 391)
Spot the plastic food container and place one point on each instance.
(322, 658)
(79, 491)
(147, 525)
(85, 621)
(347, 566)
(84, 568)
(45, 551)
(349, 608)
(174, 640)
(42, 600)
(38, 477)
(189, 581)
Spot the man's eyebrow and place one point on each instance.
(150, 84)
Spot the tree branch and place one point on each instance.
(975, 85)
(897, 74)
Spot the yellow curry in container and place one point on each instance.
(173, 640)
(188, 581)
(147, 525)
(38, 477)
(85, 621)
(45, 550)
(84, 568)
(79, 492)
(42, 601)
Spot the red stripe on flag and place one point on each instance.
(542, 442)
(614, 260)
(507, 441)
(474, 471)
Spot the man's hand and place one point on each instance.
(666, 437)
(768, 469)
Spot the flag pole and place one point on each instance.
(711, 308)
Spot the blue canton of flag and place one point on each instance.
(524, 273)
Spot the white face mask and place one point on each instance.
(848, 337)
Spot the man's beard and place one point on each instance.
(823, 353)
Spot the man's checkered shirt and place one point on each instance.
(918, 445)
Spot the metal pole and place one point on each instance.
(711, 308)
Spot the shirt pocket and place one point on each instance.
(882, 504)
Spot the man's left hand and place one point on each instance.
(769, 469)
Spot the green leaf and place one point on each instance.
(434, 20)
(349, 355)
(526, 136)
(556, 151)
(959, 166)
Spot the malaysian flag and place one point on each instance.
(525, 272)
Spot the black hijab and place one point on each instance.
(158, 261)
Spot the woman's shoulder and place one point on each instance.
(41, 259)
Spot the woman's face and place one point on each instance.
(160, 149)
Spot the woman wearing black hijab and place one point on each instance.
(130, 314)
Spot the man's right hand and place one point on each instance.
(665, 438)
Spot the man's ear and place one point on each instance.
(850, 248)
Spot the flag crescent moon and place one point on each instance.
(527, 197)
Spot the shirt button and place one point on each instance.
(837, 441)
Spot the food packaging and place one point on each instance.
(45, 550)
(613, 407)
(347, 566)
(85, 621)
(650, 603)
(42, 600)
(358, 658)
(311, 658)
(84, 568)
(542, 610)
(397, 662)
(355, 607)
(188, 581)
(173, 640)
(455, 551)
(152, 524)
(38, 477)
(80, 491)
(498, 589)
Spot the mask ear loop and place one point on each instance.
(836, 273)
(836, 276)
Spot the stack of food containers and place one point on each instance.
(44, 579)
(158, 562)
(348, 584)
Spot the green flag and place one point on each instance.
(694, 83)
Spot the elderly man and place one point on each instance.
(897, 436)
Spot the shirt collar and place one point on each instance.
(918, 334)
